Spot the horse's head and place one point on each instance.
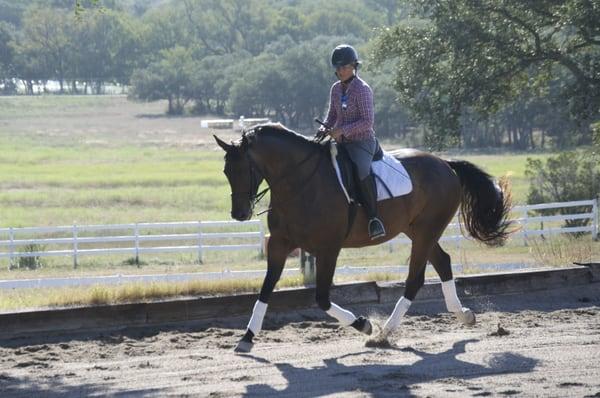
(243, 176)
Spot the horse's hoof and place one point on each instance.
(244, 346)
(363, 325)
(466, 316)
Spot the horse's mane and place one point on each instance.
(276, 130)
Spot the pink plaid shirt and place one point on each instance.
(355, 115)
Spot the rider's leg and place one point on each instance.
(368, 191)
(361, 153)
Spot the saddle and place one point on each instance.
(390, 175)
(348, 172)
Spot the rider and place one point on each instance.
(350, 118)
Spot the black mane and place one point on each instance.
(277, 130)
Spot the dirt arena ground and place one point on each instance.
(543, 344)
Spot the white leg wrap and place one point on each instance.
(345, 317)
(394, 319)
(452, 302)
(258, 314)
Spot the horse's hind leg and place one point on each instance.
(326, 263)
(441, 262)
(277, 252)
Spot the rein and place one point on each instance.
(258, 196)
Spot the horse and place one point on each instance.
(309, 210)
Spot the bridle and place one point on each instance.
(253, 195)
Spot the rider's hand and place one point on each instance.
(336, 134)
(322, 132)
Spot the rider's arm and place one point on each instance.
(331, 112)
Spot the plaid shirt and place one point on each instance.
(353, 114)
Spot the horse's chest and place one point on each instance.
(305, 229)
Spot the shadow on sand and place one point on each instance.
(380, 380)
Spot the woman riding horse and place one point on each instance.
(349, 122)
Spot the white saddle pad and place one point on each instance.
(389, 173)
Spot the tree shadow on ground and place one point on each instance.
(380, 380)
(57, 387)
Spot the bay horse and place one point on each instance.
(308, 209)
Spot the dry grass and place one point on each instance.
(20, 299)
(563, 250)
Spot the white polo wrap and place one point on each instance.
(345, 317)
(394, 320)
(452, 302)
(258, 314)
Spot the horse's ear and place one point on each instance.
(226, 147)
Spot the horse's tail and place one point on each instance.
(485, 205)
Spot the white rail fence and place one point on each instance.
(532, 226)
(183, 237)
(196, 236)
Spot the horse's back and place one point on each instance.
(414, 159)
(427, 171)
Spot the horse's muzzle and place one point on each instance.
(240, 215)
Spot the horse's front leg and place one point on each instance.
(326, 262)
(277, 251)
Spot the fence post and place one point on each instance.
(74, 246)
(525, 223)
(261, 251)
(307, 264)
(595, 219)
(199, 242)
(11, 235)
(137, 244)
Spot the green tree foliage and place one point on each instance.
(107, 49)
(479, 73)
(43, 49)
(166, 79)
(6, 57)
(460, 54)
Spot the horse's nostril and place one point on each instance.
(239, 215)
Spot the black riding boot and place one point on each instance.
(368, 191)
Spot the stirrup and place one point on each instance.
(376, 229)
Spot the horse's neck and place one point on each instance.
(286, 164)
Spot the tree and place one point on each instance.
(162, 29)
(167, 79)
(457, 54)
(44, 48)
(6, 57)
(106, 48)
(211, 82)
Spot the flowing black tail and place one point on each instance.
(485, 205)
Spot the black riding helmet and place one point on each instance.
(344, 54)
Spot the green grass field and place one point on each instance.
(104, 160)
(53, 175)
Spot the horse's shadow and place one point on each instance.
(380, 380)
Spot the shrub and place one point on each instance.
(33, 262)
(570, 176)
